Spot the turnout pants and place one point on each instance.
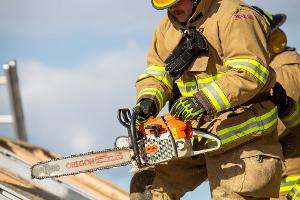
(231, 175)
(291, 170)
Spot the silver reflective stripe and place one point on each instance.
(292, 123)
(153, 92)
(202, 82)
(288, 183)
(159, 73)
(253, 67)
(188, 88)
(216, 95)
(249, 126)
(293, 119)
(154, 72)
(202, 85)
(295, 193)
(188, 91)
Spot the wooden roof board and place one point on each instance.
(16, 157)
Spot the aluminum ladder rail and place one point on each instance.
(10, 79)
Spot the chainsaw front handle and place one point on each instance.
(124, 117)
(134, 138)
(128, 120)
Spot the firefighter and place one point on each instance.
(216, 54)
(286, 63)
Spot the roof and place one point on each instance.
(16, 159)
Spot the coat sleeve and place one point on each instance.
(155, 83)
(291, 117)
(288, 77)
(243, 37)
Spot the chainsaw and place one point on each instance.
(158, 140)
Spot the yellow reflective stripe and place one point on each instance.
(190, 88)
(267, 20)
(188, 94)
(186, 84)
(294, 118)
(159, 73)
(250, 126)
(209, 79)
(153, 92)
(216, 97)
(202, 82)
(294, 193)
(288, 182)
(252, 66)
(268, 17)
(187, 88)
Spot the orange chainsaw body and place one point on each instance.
(178, 128)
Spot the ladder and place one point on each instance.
(10, 79)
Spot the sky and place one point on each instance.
(77, 64)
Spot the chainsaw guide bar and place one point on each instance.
(82, 163)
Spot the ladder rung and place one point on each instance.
(3, 80)
(6, 119)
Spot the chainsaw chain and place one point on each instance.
(83, 171)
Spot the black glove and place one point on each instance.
(176, 53)
(144, 110)
(280, 98)
(186, 53)
(187, 108)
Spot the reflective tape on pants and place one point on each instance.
(250, 126)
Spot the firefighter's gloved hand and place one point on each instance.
(187, 108)
(279, 98)
(144, 110)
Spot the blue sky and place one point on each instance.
(77, 63)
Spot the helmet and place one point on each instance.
(274, 21)
(278, 41)
(162, 4)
